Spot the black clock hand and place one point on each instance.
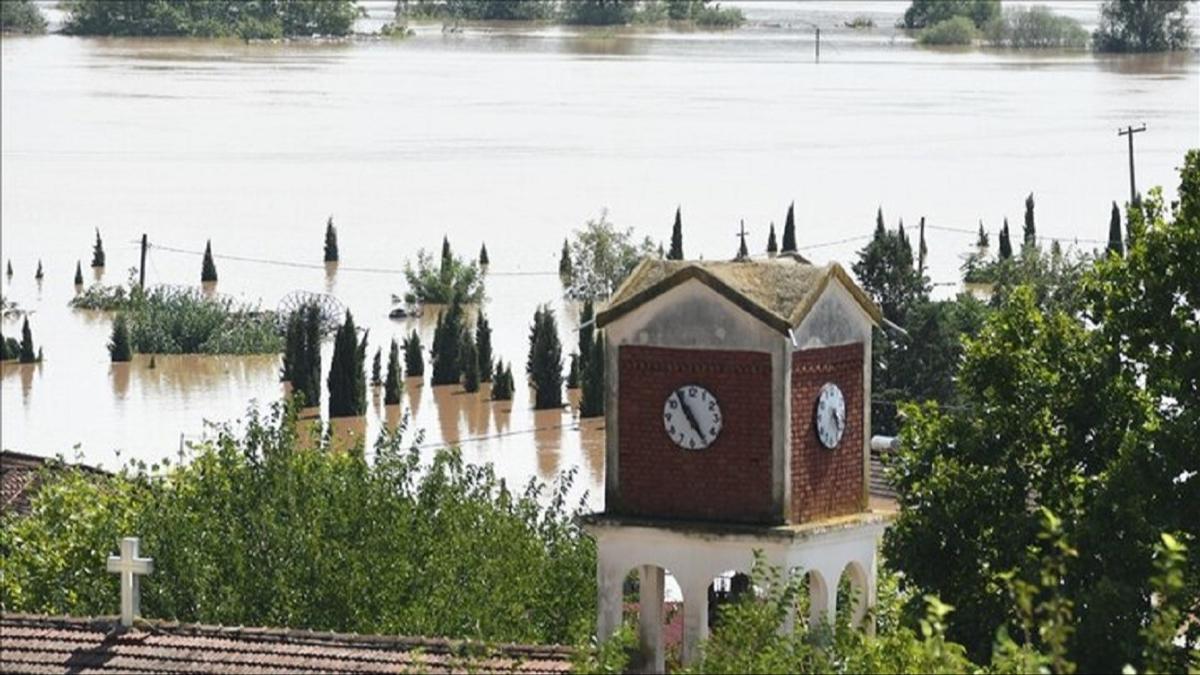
(687, 412)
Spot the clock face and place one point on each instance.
(692, 417)
(830, 419)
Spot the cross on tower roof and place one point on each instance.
(130, 567)
(743, 252)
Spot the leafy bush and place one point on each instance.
(256, 531)
(107, 298)
(119, 349)
(211, 18)
(716, 16)
(599, 257)
(1034, 27)
(926, 13)
(21, 16)
(956, 31)
(1143, 26)
(453, 278)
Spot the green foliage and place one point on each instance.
(119, 348)
(331, 243)
(611, 656)
(1029, 233)
(476, 10)
(78, 273)
(591, 403)
(302, 353)
(107, 298)
(1143, 26)
(1170, 610)
(484, 260)
(39, 274)
(98, 251)
(470, 363)
(10, 349)
(502, 383)
(391, 385)
(597, 12)
(544, 365)
(447, 346)
(414, 364)
(377, 368)
(676, 252)
(208, 269)
(954, 31)
(1006, 249)
(600, 257)
(927, 13)
(1115, 242)
(21, 16)
(258, 530)
(453, 279)
(483, 342)
(173, 321)
(789, 230)
(573, 371)
(210, 18)
(772, 244)
(565, 269)
(8, 271)
(885, 270)
(347, 389)
(26, 352)
(1034, 28)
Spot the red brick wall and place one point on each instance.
(826, 482)
(728, 481)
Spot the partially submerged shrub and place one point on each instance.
(956, 31)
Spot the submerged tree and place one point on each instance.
(544, 365)
(1143, 26)
(98, 251)
(377, 368)
(789, 230)
(772, 245)
(483, 342)
(484, 260)
(414, 363)
(573, 371)
(1116, 244)
(28, 355)
(591, 403)
(601, 256)
(8, 270)
(119, 349)
(39, 275)
(676, 252)
(78, 272)
(1006, 249)
(347, 390)
(564, 263)
(447, 346)
(502, 383)
(470, 363)
(302, 353)
(208, 270)
(391, 385)
(331, 242)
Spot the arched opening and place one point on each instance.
(652, 603)
(726, 588)
(817, 597)
(852, 596)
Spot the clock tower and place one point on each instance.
(738, 419)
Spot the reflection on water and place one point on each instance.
(513, 137)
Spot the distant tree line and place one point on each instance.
(578, 12)
(211, 18)
(21, 16)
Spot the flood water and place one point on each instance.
(512, 136)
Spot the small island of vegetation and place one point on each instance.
(21, 16)
(704, 13)
(211, 18)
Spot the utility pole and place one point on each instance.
(818, 44)
(1130, 131)
(142, 267)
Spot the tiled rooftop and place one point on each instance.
(41, 644)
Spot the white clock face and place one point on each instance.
(692, 417)
(830, 415)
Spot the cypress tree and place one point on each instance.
(982, 240)
(880, 230)
(564, 262)
(1115, 243)
(447, 343)
(772, 245)
(661, 251)
(391, 385)
(789, 230)
(1030, 231)
(208, 270)
(414, 364)
(484, 261)
(544, 366)
(98, 251)
(922, 251)
(8, 271)
(1005, 242)
(377, 368)
(307, 371)
(502, 386)
(78, 272)
(587, 332)
(447, 255)
(591, 404)
(470, 362)
(27, 354)
(118, 347)
(293, 338)
(573, 372)
(676, 252)
(39, 274)
(483, 343)
(347, 391)
(331, 245)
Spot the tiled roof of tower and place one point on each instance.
(18, 478)
(41, 644)
(779, 291)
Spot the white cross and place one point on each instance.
(130, 567)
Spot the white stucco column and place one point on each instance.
(695, 617)
(650, 622)
(609, 586)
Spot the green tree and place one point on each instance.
(27, 355)
(331, 243)
(347, 389)
(601, 256)
(886, 271)
(119, 349)
(1116, 243)
(544, 366)
(98, 251)
(1006, 249)
(8, 269)
(211, 18)
(39, 274)
(772, 245)
(591, 402)
(565, 271)
(208, 270)
(377, 368)
(452, 279)
(78, 272)
(1143, 26)
(925, 13)
(1035, 28)
(483, 341)
(502, 384)
(676, 252)
(447, 346)
(953, 31)
(1030, 231)
(391, 385)
(21, 16)
(597, 12)
(484, 261)
(789, 230)
(414, 363)
(469, 356)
